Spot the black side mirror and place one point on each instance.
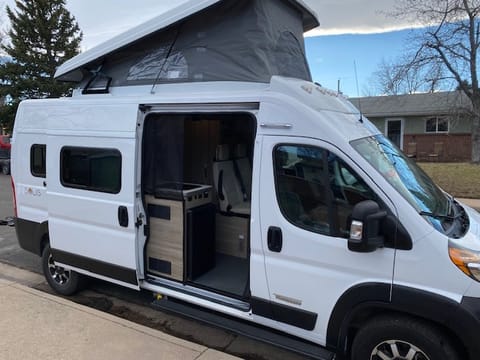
(365, 228)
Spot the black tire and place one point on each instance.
(64, 282)
(6, 169)
(395, 337)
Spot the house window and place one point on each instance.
(38, 160)
(437, 125)
(91, 169)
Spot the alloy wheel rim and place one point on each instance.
(397, 350)
(59, 274)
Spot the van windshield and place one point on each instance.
(407, 178)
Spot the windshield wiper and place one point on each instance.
(439, 216)
(451, 203)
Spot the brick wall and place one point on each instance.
(456, 147)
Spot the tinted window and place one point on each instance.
(316, 190)
(436, 124)
(431, 125)
(38, 160)
(442, 125)
(91, 169)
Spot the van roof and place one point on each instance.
(159, 23)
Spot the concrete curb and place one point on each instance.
(38, 325)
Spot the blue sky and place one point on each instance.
(333, 57)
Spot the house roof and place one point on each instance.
(440, 103)
(159, 23)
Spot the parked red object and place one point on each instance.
(5, 142)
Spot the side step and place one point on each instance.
(245, 328)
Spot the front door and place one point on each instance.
(394, 131)
(91, 196)
(307, 194)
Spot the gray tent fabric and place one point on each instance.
(235, 40)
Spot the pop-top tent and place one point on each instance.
(202, 40)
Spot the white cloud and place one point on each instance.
(355, 17)
(102, 19)
(358, 30)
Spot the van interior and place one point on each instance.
(197, 184)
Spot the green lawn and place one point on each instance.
(458, 179)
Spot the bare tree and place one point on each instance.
(393, 78)
(403, 76)
(446, 48)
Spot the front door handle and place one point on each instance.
(123, 216)
(275, 239)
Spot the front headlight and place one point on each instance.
(466, 260)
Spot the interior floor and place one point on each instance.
(230, 275)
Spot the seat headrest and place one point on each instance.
(223, 152)
(240, 151)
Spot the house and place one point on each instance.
(427, 127)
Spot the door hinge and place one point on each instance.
(139, 221)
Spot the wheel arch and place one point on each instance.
(44, 241)
(362, 302)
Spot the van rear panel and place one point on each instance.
(74, 171)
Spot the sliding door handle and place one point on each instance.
(123, 216)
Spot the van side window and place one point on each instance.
(91, 169)
(38, 160)
(316, 190)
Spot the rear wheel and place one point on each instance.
(63, 281)
(401, 338)
(6, 170)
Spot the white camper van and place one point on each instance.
(197, 160)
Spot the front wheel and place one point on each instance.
(401, 338)
(63, 281)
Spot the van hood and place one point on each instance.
(471, 239)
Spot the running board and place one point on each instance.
(245, 328)
(199, 293)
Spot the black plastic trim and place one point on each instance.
(286, 314)
(396, 236)
(358, 304)
(246, 328)
(116, 272)
(468, 316)
(342, 313)
(472, 305)
(30, 235)
(461, 319)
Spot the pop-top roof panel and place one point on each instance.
(69, 70)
